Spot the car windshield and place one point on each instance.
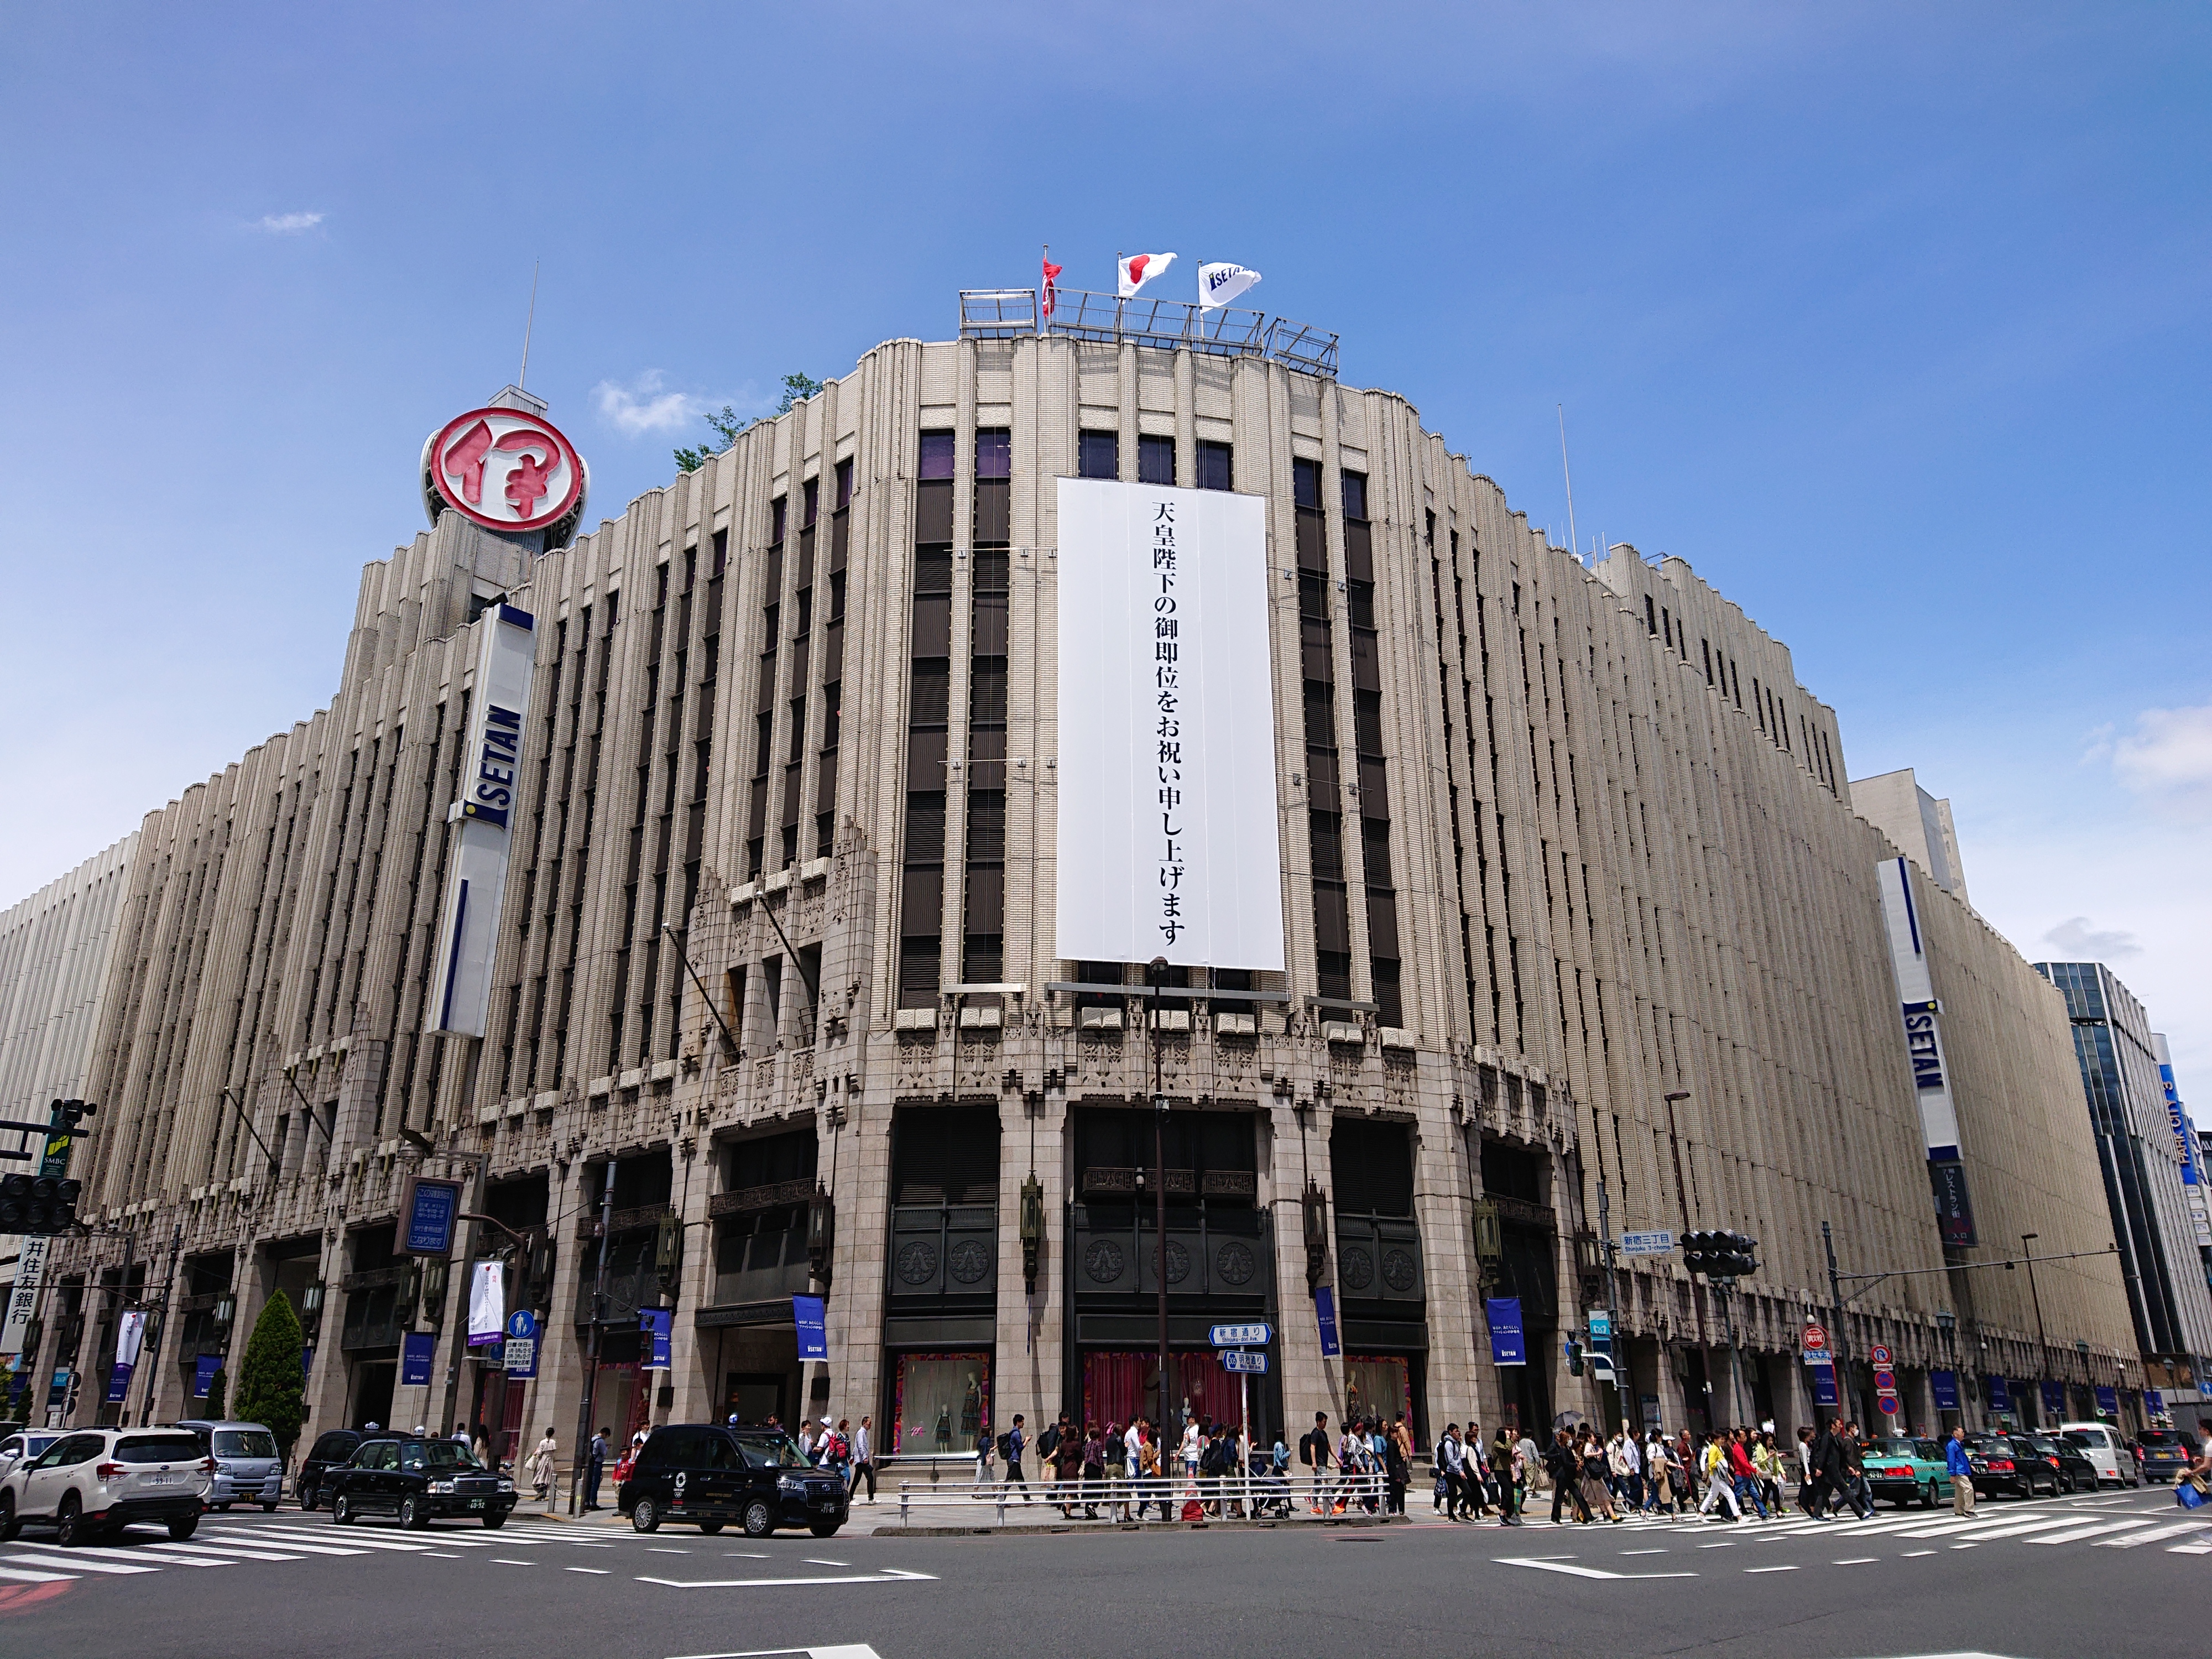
(774, 1452)
(1890, 1448)
(244, 1442)
(35, 1443)
(158, 1449)
(2077, 1438)
(439, 1454)
(2160, 1437)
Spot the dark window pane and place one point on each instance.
(936, 455)
(994, 452)
(1305, 482)
(776, 512)
(1156, 460)
(811, 498)
(844, 483)
(1098, 455)
(1216, 466)
(1355, 494)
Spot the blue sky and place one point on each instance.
(1890, 319)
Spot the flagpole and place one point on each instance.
(1043, 280)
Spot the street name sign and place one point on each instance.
(1240, 1336)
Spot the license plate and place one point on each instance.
(475, 1502)
(161, 1479)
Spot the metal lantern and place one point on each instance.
(821, 1230)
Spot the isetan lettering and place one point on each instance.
(497, 762)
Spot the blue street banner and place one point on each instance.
(2108, 1402)
(810, 1317)
(1824, 1385)
(2154, 1401)
(306, 1360)
(415, 1353)
(2054, 1399)
(1945, 1385)
(2000, 1394)
(1325, 1312)
(1508, 1345)
(203, 1370)
(119, 1384)
(656, 1323)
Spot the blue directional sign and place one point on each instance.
(1242, 1336)
(1252, 1364)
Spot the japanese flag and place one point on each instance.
(1140, 267)
(1218, 285)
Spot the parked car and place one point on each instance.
(247, 1469)
(2075, 1468)
(418, 1480)
(2106, 1450)
(2166, 1453)
(332, 1447)
(2010, 1463)
(22, 1443)
(709, 1475)
(1900, 1468)
(91, 1483)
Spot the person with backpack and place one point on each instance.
(1314, 1454)
(1565, 1470)
(1094, 1470)
(1011, 1445)
(1067, 1460)
(986, 1445)
(1397, 1464)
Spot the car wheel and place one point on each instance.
(342, 1509)
(68, 1522)
(760, 1518)
(9, 1526)
(710, 1527)
(307, 1499)
(223, 1508)
(825, 1528)
(269, 1506)
(181, 1529)
(412, 1518)
(494, 1517)
(1928, 1495)
(645, 1515)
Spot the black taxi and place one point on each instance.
(418, 1480)
(710, 1475)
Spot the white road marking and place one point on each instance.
(889, 1576)
(2089, 1531)
(1657, 1551)
(2135, 1538)
(813, 1561)
(662, 1549)
(1556, 1564)
(108, 1554)
(597, 1573)
(855, 1651)
(1855, 1561)
(303, 1549)
(228, 1553)
(501, 1561)
(1786, 1569)
(72, 1561)
(35, 1577)
(2190, 1549)
(1909, 1554)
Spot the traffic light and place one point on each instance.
(68, 1114)
(1721, 1254)
(38, 1204)
(1574, 1357)
(1739, 1255)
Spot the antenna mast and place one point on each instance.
(522, 381)
(1574, 546)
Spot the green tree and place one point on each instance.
(271, 1388)
(727, 424)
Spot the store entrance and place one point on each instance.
(373, 1380)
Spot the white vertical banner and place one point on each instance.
(487, 1304)
(130, 1337)
(23, 1300)
(1916, 990)
(491, 771)
(1168, 815)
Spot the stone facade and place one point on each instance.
(1575, 901)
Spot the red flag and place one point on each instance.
(1051, 293)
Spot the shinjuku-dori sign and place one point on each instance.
(1168, 841)
(491, 773)
(506, 469)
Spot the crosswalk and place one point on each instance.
(226, 1544)
(2112, 1523)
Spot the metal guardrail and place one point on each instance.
(1170, 325)
(1117, 1500)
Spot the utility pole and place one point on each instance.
(1836, 1344)
(1616, 1344)
(1155, 972)
(457, 1327)
(589, 1397)
(2042, 1342)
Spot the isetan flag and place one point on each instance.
(1051, 296)
(1218, 285)
(1140, 267)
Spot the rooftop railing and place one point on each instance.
(1170, 325)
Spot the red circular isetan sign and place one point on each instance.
(1815, 1338)
(506, 469)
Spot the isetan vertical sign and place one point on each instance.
(491, 769)
(1168, 823)
(1923, 1051)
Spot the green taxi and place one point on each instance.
(1901, 1469)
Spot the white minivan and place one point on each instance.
(2100, 1443)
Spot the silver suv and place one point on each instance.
(247, 1469)
(91, 1483)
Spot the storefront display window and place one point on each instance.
(1378, 1387)
(942, 1403)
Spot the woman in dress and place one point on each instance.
(1597, 1496)
(541, 1463)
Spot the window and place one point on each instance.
(776, 509)
(844, 484)
(1216, 466)
(1156, 460)
(936, 463)
(1305, 483)
(994, 452)
(1098, 455)
(811, 503)
(1355, 494)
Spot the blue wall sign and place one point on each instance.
(414, 1352)
(655, 1323)
(522, 1325)
(1824, 1385)
(808, 1314)
(203, 1370)
(1251, 1365)
(2054, 1399)
(2000, 1394)
(2108, 1402)
(1508, 1345)
(119, 1384)
(1325, 1311)
(1945, 1386)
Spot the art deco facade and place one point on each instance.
(1580, 923)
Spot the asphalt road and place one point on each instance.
(2055, 1579)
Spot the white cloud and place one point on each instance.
(2167, 759)
(641, 406)
(2075, 940)
(288, 224)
